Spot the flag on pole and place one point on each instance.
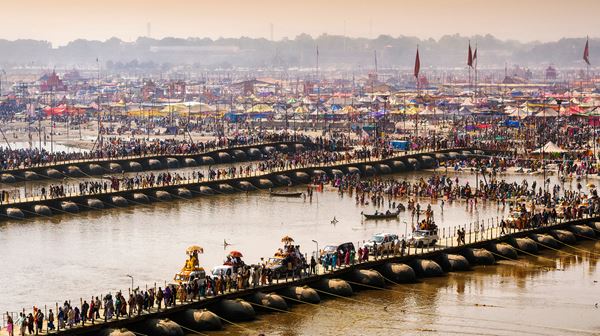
(475, 56)
(470, 57)
(586, 52)
(417, 64)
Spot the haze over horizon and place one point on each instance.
(62, 21)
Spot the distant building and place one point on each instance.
(514, 80)
(72, 76)
(51, 82)
(250, 87)
(177, 89)
(551, 73)
(149, 90)
(423, 81)
(523, 73)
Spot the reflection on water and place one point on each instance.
(68, 257)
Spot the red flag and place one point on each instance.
(417, 64)
(586, 52)
(470, 57)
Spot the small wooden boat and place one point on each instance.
(285, 194)
(382, 215)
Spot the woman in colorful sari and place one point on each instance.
(10, 325)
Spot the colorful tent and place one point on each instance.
(260, 108)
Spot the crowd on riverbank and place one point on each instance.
(531, 204)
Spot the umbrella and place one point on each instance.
(236, 254)
(194, 248)
(591, 185)
(287, 239)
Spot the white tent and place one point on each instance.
(464, 111)
(547, 113)
(550, 147)
(519, 113)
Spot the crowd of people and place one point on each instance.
(118, 147)
(139, 301)
(274, 161)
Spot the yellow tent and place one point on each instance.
(301, 109)
(412, 111)
(348, 110)
(260, 108)
(188, 108)
(147, 113)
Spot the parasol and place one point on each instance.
(236, 254)
(194, 248)
(287, 239)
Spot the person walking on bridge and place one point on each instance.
(84, 312)
(9, 325)
(131, 303)
(159, 297)
(50, 325)
(313, 265)
(97, 306)
(92, 310)
(21, 324)
(39, 321)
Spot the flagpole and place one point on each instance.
(417, 69)
(52, 119)
(470, 88)
(318, 91)
(470, 65)
(475, 61)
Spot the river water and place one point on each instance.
(49, 260)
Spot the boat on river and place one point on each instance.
(286, 193)
(382, 215)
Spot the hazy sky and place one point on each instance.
(60, 21)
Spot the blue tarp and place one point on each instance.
(512, 123)
(400, 144)
(172, 130)
(369, 127)
(234, 117)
